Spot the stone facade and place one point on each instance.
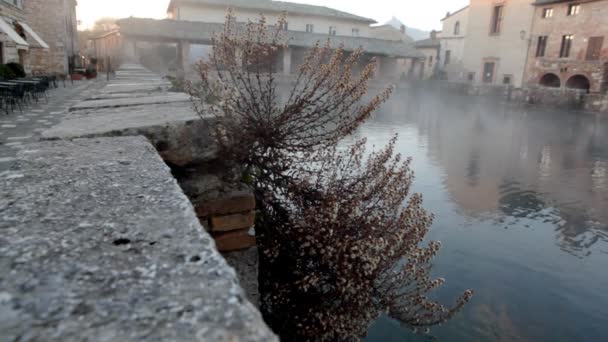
(11, 52)
(452, 45)
(55, 22)
(497, 55)
(550, 68)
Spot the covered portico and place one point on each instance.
(394, 58)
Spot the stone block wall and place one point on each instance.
(589, 22)
(55, 22)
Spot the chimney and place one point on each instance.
(447, 14)
(433, 34)
(402, 28)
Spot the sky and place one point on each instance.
(425, 15)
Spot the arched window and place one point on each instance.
(550, 80)
(578, 82)
(457, 28)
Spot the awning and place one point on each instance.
(31, 32)
(10, 31)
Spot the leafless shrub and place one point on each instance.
(339, 232)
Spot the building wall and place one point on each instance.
(9, 48)
(388, 32)
(296, 22)
(454, 43)
(429, 64)
(508, 49)
(591, 21)
(55, 22)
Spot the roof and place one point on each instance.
(428, 43)
(452, 14)
(202, 33)
(276, 6)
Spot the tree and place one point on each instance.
(339, 232)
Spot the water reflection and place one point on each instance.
(521, 197)
(514, 161)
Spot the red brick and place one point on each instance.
(234, 241)
(231, 205)
(232, 222)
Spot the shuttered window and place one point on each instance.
(594, 49)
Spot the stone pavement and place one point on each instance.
(18, 129)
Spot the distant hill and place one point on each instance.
(415, 33)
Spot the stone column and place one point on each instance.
(129, 47)
(287, 61)
(377, 74)
(183, 59)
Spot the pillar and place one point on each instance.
(287, 61)
(183, 59)
(130, 50)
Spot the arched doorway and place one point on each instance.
(578, 82)
(550, 80)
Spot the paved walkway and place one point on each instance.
(17, 129)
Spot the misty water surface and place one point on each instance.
(521, 198)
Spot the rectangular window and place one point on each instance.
(497, 17)
(355, 32)
(547, 12)
(471, 77)
(506, 79)
(285, 26)
(594, 48)
(1, 53)
(488, 72)
(574, 9)
(564, 52)
(541, 46)
(448, 56)
(430, 59)
(332, 31)
(310, 28)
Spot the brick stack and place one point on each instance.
(226, 211)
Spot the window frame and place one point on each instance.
(509, 77)
(448, 57)
(566, 46)
(573, 9)
(547, 13)
(457, 28)
(541, 46)
(333, 31)
(310, 28)
(356, 32)
(497, 19)
(589, 56)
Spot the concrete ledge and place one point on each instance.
(180, 135)
(98, 241)
(132, 101)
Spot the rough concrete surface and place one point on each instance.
(132, 101)
(98, 242)
(179, 134)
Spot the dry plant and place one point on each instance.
(339, 232)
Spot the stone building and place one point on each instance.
(56, 23)
(431, 49)
(193, 23)
(568, 45)
(452, 45)
(41, 35)
(496, 41)
(18, 41)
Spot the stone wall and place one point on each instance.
(589, 22)
(10, 52)
(55, 22)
